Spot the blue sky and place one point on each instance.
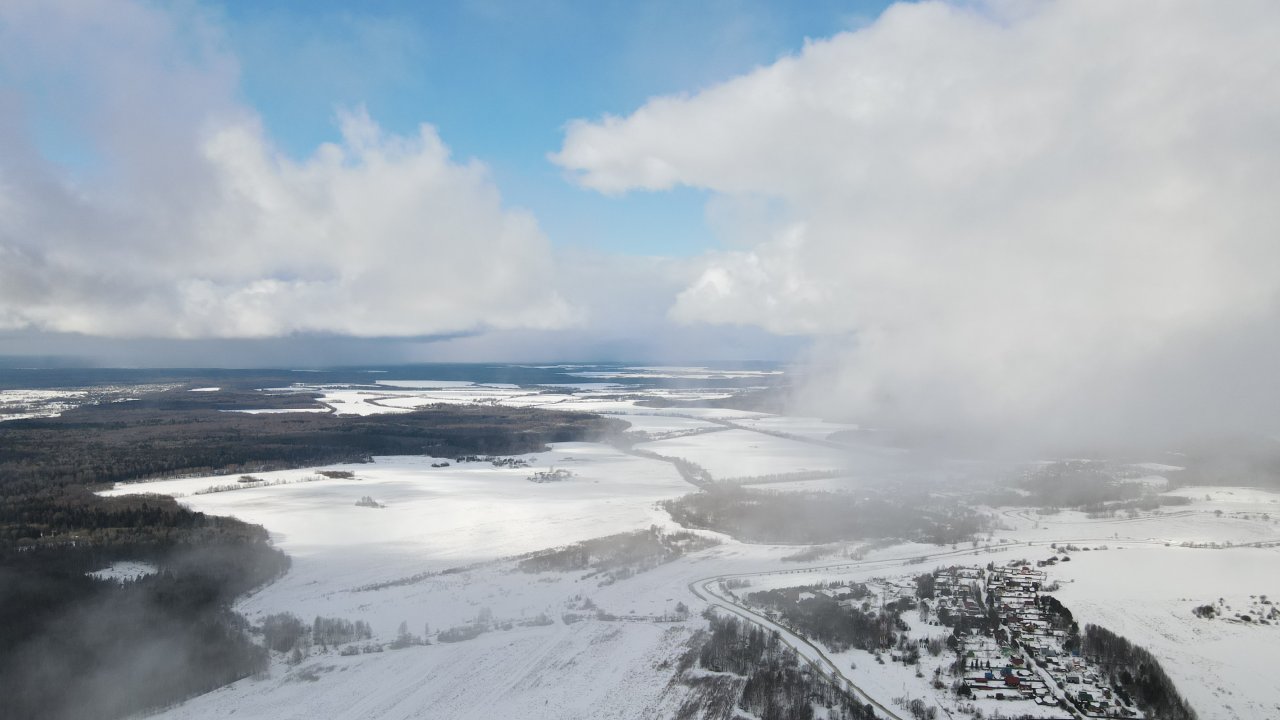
(500, 79)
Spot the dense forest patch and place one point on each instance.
(182, 433)
(1136, 671)
(73, 646)
(746, 667)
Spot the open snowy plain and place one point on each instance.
(433, 548)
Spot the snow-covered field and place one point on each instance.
(742, 453)
(587, 671)
(434, 518)
(387, 565)
(1229, 515)
(1225, 670)
(663, 424)
(805, 427)
(125, 571)
(18, 404)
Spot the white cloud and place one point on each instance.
(1018, 216)
(176, 217)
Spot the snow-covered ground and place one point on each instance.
(434, 518)
(384, 566)
(742, 453)
(18, 404)
(583, 671)
(1141, 588)
(665, 423)
(125, 571)
(805, 427)
(1225, 670)
(439, 554)
(1214, 515)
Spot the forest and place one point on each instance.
(777, 686)
(1136, 672)
(178, 432)
(74, 646)
(839, 628)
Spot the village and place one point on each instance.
(1011, 648)
(1016, 643)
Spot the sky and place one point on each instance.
(989, 215)
(500, 80)
(102, 95)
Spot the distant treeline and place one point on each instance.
(617, 557)
(822, 517)
(1070, 484)
(182, 433)
(1105, 486)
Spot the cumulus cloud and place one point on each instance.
(140, 197)
(1052, 219)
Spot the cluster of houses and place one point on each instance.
(552, 475)
(958, 593)
(1013, 644)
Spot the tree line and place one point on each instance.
(777, 685)
(837, 626)
(1136, 672)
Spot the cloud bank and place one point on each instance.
(139, 197)
(1025, 220)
